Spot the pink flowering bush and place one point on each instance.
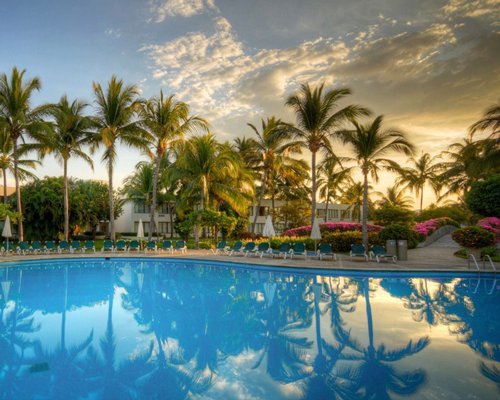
(331, 227)
(426, 228)
(491, 224)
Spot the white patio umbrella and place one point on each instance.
(269, 231)
(140, 230)
(315, 231)
(269, 291)
(6, 286)
(7, 232)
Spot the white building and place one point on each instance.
(134, 210)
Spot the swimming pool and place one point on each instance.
(176, 329)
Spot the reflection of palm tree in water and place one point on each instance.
(376, 377)
(426, 306)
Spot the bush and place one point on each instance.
(427, 228)
(388, 214)
(456, 213)
(491, 224)
(400, 232)
(484, 197)
(473, 237)
(331, 227)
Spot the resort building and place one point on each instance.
(136, 210)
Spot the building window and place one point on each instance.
(259, 228)
(145, 226)
(322, 214)
(163, 227)
(333, 214)
(164, 208)
(263, 211)
(345, 214)
(140, 207)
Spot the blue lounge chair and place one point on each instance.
(150, 246)
(260, 250)
(36, 247)
(180, 246)
(325, 250)
(50, 247)
(134, 245)
(107, 246)
(358, 250)
(248, 249)
(120, 245)
(283, 250)
(379, 253)
(76, 245)
(63, 246)
(166, 246)
(221, 248)
(236, 248)
(23, 248)
(298, 249)
(89, 245)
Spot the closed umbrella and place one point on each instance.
(140, 230)
(7, 232)
(268, 231)
(315, 231)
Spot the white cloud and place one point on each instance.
(115, 33)
(183, 8)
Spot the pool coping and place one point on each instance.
(344, 264)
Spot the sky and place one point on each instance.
(431, 67)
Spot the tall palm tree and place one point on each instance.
(352, 195)
(139, 185)
(167, 121)
(273, 149)
(490, 120)
(7, 161)
(332, 177)
(395, 197)
(424, 170)
(18, 118)
(370, 144)
(116, 108)
(71, 130)
(318, 117)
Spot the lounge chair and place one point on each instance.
(180, 245)
(120, 245)
(50, 247)
(76, 245)
(36, 247)
(23, 248)
(63, 246)
(325, 250)
(134, 245)
(298, 249)
(166, 246)
(378, 252)
(89, 245)
(150, 246)
(248, 249)
(283, 250)
(221, 248)
(236, 248)
(260, 250)
(358, 250)
(107, 246)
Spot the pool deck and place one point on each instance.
(432, 258)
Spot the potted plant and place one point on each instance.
(473, 238)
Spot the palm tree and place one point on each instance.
(18, 118)
(424, 170)
(7, 161)
(352, 195)
(490, 120)
(116, 108)
(332, 177)
(395, 197)
(167, 121)
(370, 144)
(71, 131)
(273, 150)
(317, 122)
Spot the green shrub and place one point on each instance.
(388, 214)
(484, 197)
(473, 237)
(400, 232)
(456, 213)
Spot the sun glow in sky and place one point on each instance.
(430, 66)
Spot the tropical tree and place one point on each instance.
(332, 178)
(424, 170)
(167, 121)
(395, 197)
(318, 117)
(7, 161)
(370, 144)
(352, 195)
(490, 120)
(273, 150)
(116, 108)
(19, 119)
(71, 130)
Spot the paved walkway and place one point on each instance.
(436, 257)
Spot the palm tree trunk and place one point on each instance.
(261, 196)
(369, 318)
(421, 199)
(66, 200)
(327, 202)
(317, 293)
(4, 171)
(18, 192)
(170, 208)
(313, 194)
(153, 205)
(365, 211)
(111, 201)
(65, 305)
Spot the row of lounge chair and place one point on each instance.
(76, 246)
(285, 250)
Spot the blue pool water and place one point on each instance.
(178, 329)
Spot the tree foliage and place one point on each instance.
(484, 197)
